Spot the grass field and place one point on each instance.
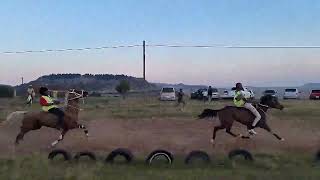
(282, 166)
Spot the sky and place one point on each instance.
(58, 24)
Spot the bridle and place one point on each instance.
(77, 96)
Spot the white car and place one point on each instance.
(215, 93)
(248, 94)
(168, 94)
(291, 93)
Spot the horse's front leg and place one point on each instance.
(85, 130)
(54, 143)
(267, 128)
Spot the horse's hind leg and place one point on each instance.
(60, 138)
(21, 135)
(228, 130)
(216, 128)
(267, 128)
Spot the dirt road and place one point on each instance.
(176, 135)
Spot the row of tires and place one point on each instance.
(151, 158)
(154, 155)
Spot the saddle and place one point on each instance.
(243, 108)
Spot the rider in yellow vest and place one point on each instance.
(240, 101)
(49, 105)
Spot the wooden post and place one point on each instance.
(144, 60)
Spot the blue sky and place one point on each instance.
(36, 25)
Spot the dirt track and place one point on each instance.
(176, 135)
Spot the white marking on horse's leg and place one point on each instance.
(86, 132)
(54, 143)
(57, 141)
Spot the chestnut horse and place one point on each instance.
(227, 115)
(35, 120)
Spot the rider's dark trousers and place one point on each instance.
(58, 112)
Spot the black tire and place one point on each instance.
(197, 155)
(91, 155)
(158, 153)
(66, 155)
(246, 154)
(126, 153)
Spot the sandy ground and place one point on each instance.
(179, 136)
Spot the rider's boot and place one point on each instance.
(252, 131)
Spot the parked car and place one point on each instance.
(291, 93)
(215, 94)
(168, 94)
(198, 94)
(315, 94)
(230, 94)
(270, 92)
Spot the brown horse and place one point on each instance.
(227, 115)
(35, 120)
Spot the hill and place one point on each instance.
(89, 82)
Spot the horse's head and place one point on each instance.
(75, 95)
(271, 101)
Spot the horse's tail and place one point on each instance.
(208, 113)
(13, 118)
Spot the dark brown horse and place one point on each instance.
(227, 115)
(35, 120)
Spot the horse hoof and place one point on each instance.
(282, 139)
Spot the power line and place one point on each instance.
(233, 46)
(69, 49)
(163, 46)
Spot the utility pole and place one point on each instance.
(21, 80)
(144, 59)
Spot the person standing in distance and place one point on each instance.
(209, 94)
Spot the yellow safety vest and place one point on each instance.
(49, 100)
(238, 103)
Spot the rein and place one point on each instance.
(266, 106)
(78, 96)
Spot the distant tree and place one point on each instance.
(123, 87)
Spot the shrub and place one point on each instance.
(123, 87)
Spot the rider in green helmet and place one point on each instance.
(240, 101)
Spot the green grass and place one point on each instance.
(151, 107)
(291, 167)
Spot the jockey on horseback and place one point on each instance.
(240, 101)
(49, 105)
